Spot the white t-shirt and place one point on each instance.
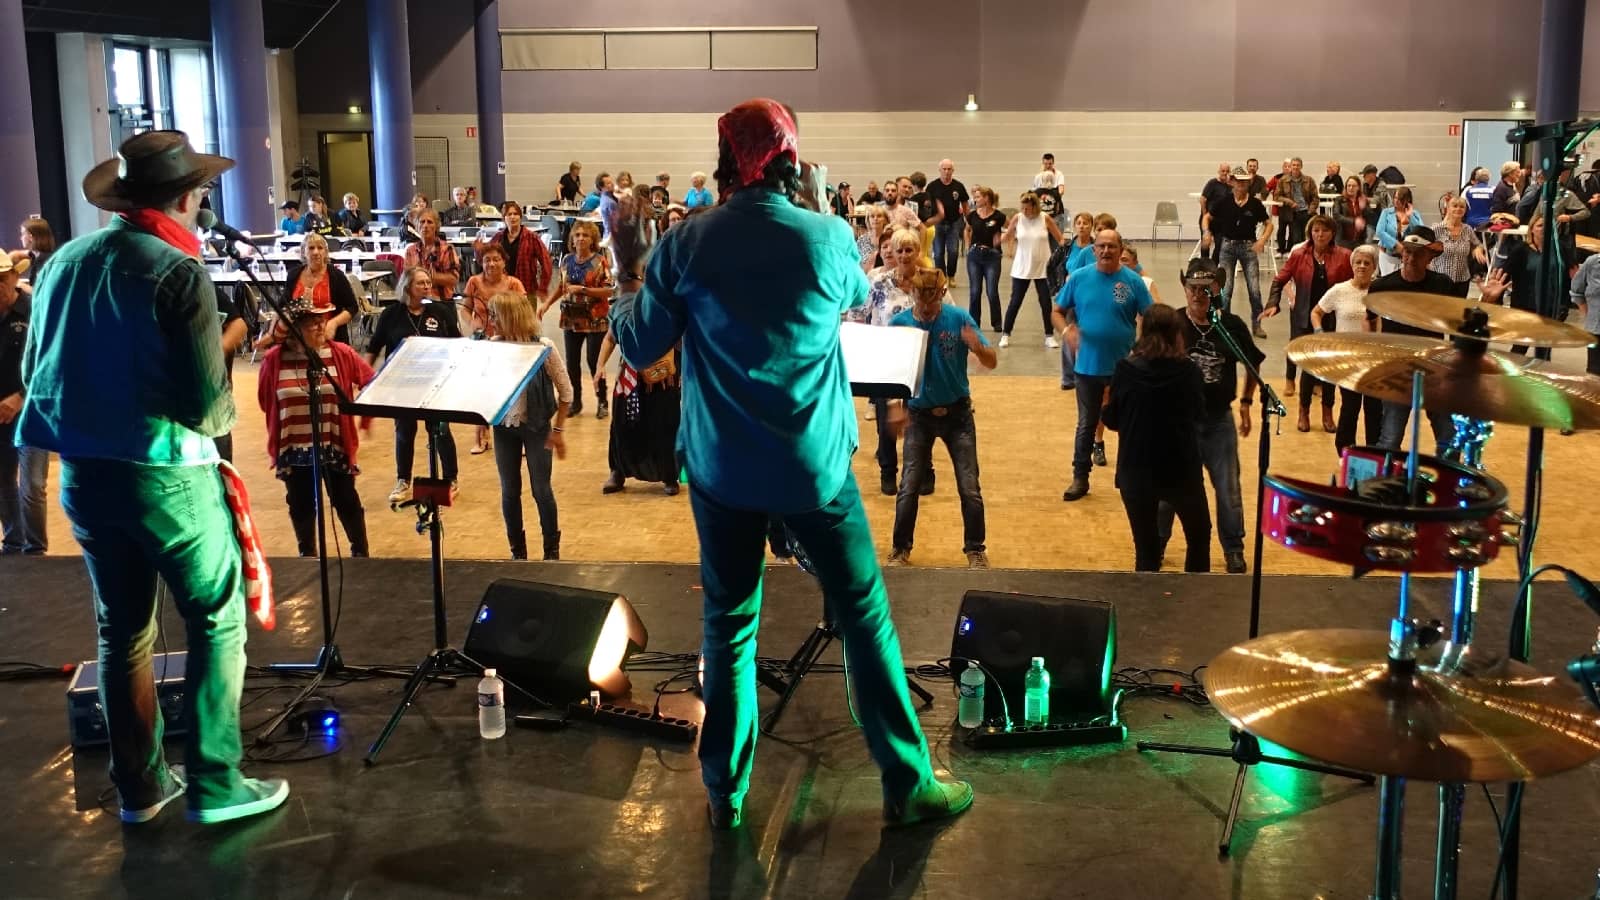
(1348, 305)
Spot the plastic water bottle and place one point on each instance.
(491, 706)
(969, 709)
(1036, 694)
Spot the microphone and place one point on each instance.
(209, 221)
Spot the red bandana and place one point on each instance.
(758, 132)
(163, 226)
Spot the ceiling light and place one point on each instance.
(972, 103)
(355, 110)
(1519, 104)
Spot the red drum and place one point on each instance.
(1370, 522)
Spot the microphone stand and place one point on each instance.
(328, 661)
(1245, 749)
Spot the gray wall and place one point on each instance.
(1223, 55)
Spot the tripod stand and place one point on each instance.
(327, 661)
(1244, 748)
(444, 660)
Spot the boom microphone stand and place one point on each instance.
(328, 661)
(1245, 749)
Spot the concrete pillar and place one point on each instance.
(239, 58)
(491, 109)
(20, 198)
(394, 180)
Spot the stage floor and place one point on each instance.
(593, 813)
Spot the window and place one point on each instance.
(127, 76)
(778, 47)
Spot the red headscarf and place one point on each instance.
(757, 131)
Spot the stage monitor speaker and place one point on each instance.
(1077, 638)
(556, 641)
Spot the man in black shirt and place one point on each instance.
(414, 318)
(1258, 185)
(1333, 180)
(1219, 436)
(350, 218)
(1237, 224)
(1506, 193)
(843, 204)
(1214, 189)
(949, 197)
(871, 194)
(1417, 249)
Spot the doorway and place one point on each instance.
(346, 159)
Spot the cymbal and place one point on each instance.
(1498, 387)
(1447, 314)
(1587, 243)
(1329, 695)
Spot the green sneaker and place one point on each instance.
(931, 801)
(174, 791)
(261, 795)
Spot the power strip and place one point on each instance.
(641, 721)
(1027, 736)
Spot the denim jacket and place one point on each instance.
(124, 355)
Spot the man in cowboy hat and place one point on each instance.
(1219, 370)
(22, 469)
(753, 288)
(1418, 247)
(125, 380)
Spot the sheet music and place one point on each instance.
(453, 375)
(884, 361)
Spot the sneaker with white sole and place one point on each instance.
(174, 791)
(261, 795)
(898, 558)
(401, 492)
(1005, 341)
(1051, 343)
(977, 559)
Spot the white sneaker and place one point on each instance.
(872, 412)
(1005, 341)
(1051, 343)
(401, 492)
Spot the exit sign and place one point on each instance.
(472, 131)
(1455, 130)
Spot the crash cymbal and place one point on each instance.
(1330, 695)
(1588, 243)
(1450, 316)
(1497, 387)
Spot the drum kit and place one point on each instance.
(1420, 701)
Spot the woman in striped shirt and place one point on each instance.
(282, 390)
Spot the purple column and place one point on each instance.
(395, 178)
(491, 109)
(20, 199)
(1560, 59)
(239, 54)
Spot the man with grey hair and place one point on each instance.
(664, 181)
(1506, 193)
(950, 196)
(461, 213)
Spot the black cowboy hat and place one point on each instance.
(151, 170)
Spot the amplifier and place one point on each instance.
(86, 720)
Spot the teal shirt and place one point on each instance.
(754, 289)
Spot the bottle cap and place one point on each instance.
(489, 673)
(1038, 662)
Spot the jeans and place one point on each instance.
(340, 489)
(1019, 290)
(136, 523)
(510, 446)
(23, 473)
(1143, 504)
(960, 436)
(1397, 416)
(947, 246)
(1244, 254)
(888, 456)
(405, 442)
(1291, 227)
(983, 274)
(1091, 400)
(1069, 361)
(1351, 408)
(1219, 453)
(838, 541)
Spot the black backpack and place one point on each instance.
(1055, 271)
(1392, 175)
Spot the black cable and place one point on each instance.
(1512, 813)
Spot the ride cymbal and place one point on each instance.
(1330, 695)
(1453, 316)
(1489, 385)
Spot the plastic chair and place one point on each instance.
(555, 234)
(1167, 217)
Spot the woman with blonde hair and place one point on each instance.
(531, 430)
(312, 277)
(1031, 231)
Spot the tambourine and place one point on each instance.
(1455, 519)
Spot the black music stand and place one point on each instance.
(443, 380)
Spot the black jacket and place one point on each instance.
(344, 299)
(1156, 407)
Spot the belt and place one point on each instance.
(941, 411)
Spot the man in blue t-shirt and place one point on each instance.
(1098, 312)
(941, 411)
(1480, 200)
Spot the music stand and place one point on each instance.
(882, 363)
(443, 380)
